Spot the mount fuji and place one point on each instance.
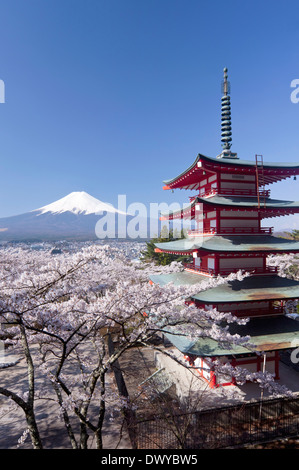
(74, 216)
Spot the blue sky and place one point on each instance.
(114, 96)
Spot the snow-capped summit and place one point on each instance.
(78, 202)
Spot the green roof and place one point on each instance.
(236, 162)
(238, 202)
(266, 334)
(178, 278)
(246, 202)
(251, 288)
(231, 243)
(249, 163)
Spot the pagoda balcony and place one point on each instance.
(246, 230)
(199, 270)
(259, 312)
(232, 231)
(204, 193)
(244, 192)
(198, 233)
(208, 192)
(226, 272)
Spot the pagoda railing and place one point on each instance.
(195, 233)
(205, 193)
(258, 270)
(247, 230)
(255, 312)
(232, 231)
(199, 269)
(244, 192)
(208, 192)
(227, 271)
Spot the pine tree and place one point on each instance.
(163, 259)
(295, 234)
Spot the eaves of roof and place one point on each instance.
(251, 289)
(266, 334)
(231, 244)
(235, 163)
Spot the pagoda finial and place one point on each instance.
(225, 113)
(226, 128)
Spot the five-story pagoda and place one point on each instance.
(228, 210)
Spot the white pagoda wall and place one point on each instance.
(242, 263)
(234, 222)
(236, 214)
(239, 219)
(239, 182)
(245, 306)
(235, 185)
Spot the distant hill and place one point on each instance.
(283, 233)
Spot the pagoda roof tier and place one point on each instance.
(267, 207)
(266, 334)
(204, 166)
(249, 289)
(251, 203)
(230, 244)
(181, 278)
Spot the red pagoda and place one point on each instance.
(228, 211)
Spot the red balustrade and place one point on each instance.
(208, 192)
(227, 271)
(232, 231)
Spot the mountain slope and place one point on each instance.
(73, 217)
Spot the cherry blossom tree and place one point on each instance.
(60, 310)
(287, 264)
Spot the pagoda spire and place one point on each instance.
(226, 128)
(226, 114)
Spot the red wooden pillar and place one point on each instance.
(216, 259)
(213, 378)
(264, 263)
(259, 220)
(234, 363)
(258, 363)
(277, 365)
(217, 220)
(213, 382)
